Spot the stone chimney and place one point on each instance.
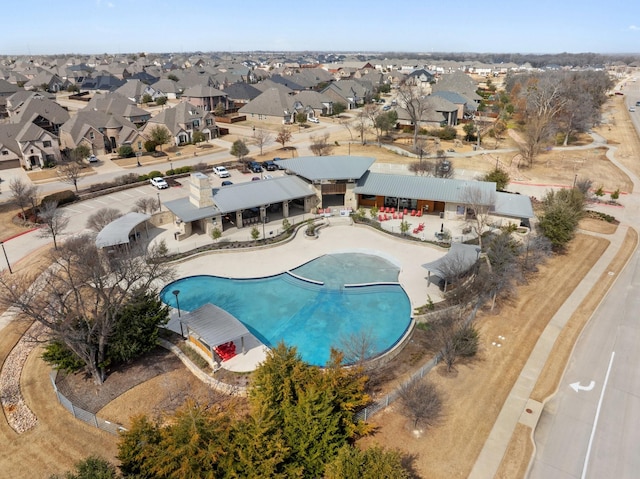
(200, 194)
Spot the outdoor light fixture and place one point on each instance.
(176, 292)
(6, 257)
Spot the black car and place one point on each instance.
(255, 167)
(269, 165)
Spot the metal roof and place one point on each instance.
(460, 257)
(117, 232)
(187, 212)
(318, 168)
(425, 188)
(253, 194)
(513, 205)
(214, 325)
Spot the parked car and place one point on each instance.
(267, 177)
(159, 182)
(386, 108)
(632, 108)
(93, 159)
(269, 165)
(313, 119)
(255, 178)
(278, 165)
(221, 171)
(227, 183)
(638, 103)
(255, 167)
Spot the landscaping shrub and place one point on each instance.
(125, 151)
(60, 197)
(150, 146)
(128, 179)
(156, 173)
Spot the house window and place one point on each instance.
(209, 122)
(92, 136)
(196, 123)
(5, 152)
(47, 144)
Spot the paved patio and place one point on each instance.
(339, 236)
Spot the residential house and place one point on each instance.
(134, 90)
(116, 104)
(241, 93)
(37, 109)
(100, 131)
(422, 79)
(167, 88)
(461, 83)
(182, 121)
(437, 112)
(102, 81)
(350, 92)
(47, 81)
(206, 97)
(27, 145)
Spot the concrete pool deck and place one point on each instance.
(340, 236)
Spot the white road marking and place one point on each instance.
(595, 421)
(576, 386)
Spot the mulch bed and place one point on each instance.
(81, 390)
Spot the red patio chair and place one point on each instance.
(393, 210)
(419, 213)
(395, 216)
(413, 212)
(406, 211)
(401, 215)
(380, 217)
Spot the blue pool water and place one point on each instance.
(309, 316)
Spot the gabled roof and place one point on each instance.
(286, 81)
(421, 187)
(35, 106)
(7, 88)
(318, 168)
(116, 104)
(176, 117)
(83, 119)
(460, 257)
(164, 85)
(203, 91)
(272, 102)
(242, 91)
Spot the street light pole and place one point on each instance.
(159, 203)
(6, 257)
(176, 292)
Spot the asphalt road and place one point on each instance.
(589, 428)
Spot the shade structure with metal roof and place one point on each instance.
(459, 259)
(118, 231)
(215, 326)
(319, 168)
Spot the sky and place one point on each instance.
(37, 27)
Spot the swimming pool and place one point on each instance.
(311, 309)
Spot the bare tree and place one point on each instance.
(283, 136)
(102, 218)
(54, 221)
(415, 104)
(421, 402)
(479, 203)
(320, 145)
(455, 338)
(347, 124)
(262, 138)
(146, 205)
(81, 295)
(361, 124)
(70, 172)
(23, 193)
(539, 101)
(357, 347)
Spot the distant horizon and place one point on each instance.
(327, 52)
(541, 27)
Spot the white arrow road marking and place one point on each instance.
(576, 386)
